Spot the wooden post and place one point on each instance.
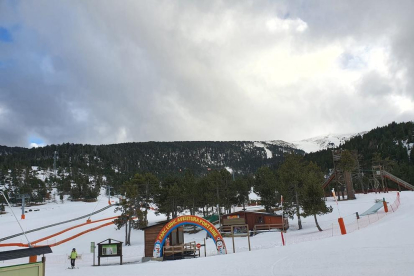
(33, 259)
(44, 264)
(205, 248)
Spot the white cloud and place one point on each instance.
(35, 145)
(163, 70)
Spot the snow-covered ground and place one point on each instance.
(380, 247)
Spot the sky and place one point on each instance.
(103, 72)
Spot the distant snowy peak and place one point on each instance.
(265, 145)
(324, 142)
(281, 143)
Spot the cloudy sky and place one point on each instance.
(105, 71)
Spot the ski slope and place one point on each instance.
(384, 247)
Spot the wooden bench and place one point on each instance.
(172, 251)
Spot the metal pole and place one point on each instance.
(283, 217)
(28, 242)
(232, 237)
(218, 212)
(44, 264)
(23, 203)
(248, 236)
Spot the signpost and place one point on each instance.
(240, 231)
(93, 251)
(109, 249)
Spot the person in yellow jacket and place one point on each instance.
(73, 256)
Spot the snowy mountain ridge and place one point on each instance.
(323, 142)
(310, 144)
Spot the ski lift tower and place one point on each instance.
(23, 197)
(339, 174)
(54, 163)
(108, 191)
(377, 174)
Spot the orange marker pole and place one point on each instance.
(385, 205)
(340, 219)
(342, 226)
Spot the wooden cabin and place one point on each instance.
(176, 247)
(150, 235)
(256, 221)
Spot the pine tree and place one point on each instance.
(131, 215)
(290, 174)
(347, 164)
(312, 194)
(243, 186)
(265, 186)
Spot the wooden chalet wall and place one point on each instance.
(150, 234)
(253, 218)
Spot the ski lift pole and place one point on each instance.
(28, 242)
(283, 222)
(340, 219)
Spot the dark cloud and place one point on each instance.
(102, 72)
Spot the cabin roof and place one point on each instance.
(26, 252)
(155, 224)
(253, 212)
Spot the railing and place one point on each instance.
(171, 250)
(398, 180)
(352, 224)
(328, 180)
(267, 227)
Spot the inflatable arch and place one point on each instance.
(194, 220)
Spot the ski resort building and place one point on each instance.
(256, 221)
